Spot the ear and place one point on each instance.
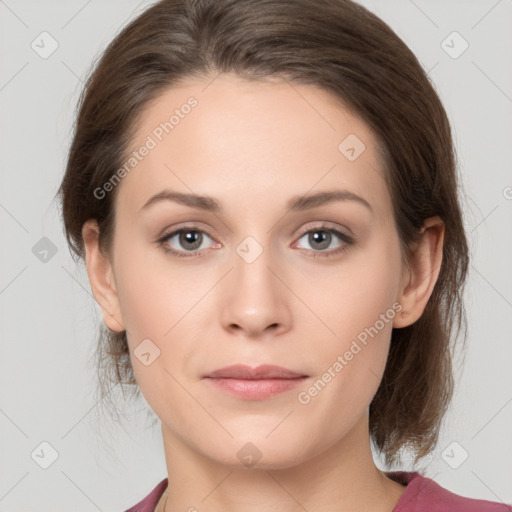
(101, 277)
(421, 274)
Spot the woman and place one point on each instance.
(254, 131)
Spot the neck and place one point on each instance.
(340, 478)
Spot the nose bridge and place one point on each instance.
(251, 273)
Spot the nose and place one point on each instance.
(256, 302)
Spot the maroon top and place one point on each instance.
(422, 494)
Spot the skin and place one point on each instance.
(252, 146)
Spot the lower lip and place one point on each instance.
(256, 389)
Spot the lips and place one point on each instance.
(266, 371)
(260, 383)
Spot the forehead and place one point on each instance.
(232, 137)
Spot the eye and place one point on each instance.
(190, 241)
(321, 238)
(189, 238)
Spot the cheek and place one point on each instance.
(159, 301)
(358, 303)
(350, 368)
(154, 291)
(351, 296)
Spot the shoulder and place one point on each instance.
(149, 503)
(424, 494)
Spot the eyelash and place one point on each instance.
(348, 241)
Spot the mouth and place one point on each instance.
(266, 371)
(258, 383)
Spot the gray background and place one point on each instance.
(49, 318)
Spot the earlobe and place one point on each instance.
(101, 278)
(422, 274)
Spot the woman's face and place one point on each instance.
(256, 277)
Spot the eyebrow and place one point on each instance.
(296, 203)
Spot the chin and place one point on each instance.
(259, 453)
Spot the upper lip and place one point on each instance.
(266, 371)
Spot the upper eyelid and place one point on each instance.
(326, 226)
(322, 226)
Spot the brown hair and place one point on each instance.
(346, 50)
